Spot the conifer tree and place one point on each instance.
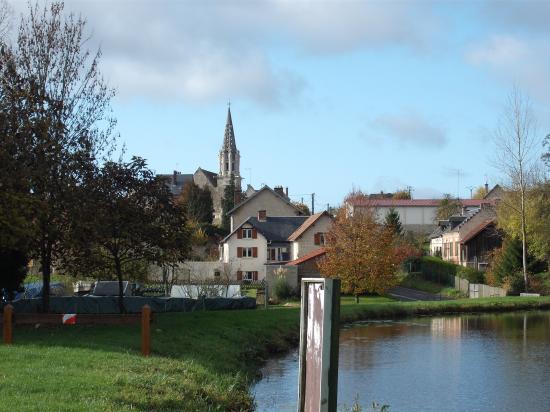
(393, 222)
(228, 203)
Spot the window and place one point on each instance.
(319, 238)
(217, 273)
(250, 275)
(247, 252)
(271, 253)
(247, 233)
(226, 166)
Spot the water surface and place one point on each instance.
(491, 362)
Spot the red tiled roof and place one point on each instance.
(311, 255)
(310, 221)
(413, 202)
(476, 230)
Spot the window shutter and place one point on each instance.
(317, 239)
(239, 252)
(239, 275)
(255, 275)
(254, 234)
(254, 252)
(239, 234)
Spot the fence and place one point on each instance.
(479, 290)
(462, 285)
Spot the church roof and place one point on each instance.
(229, 136)
(176, 181)
(211, 176)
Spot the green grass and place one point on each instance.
(416, 281)
(202, 361)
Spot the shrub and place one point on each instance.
(470, 274)
(281, 289)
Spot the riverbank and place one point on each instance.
(201, 361)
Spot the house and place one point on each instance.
(308, 265)
(263, 241)
(467, 239)
(273, 203)
(416, 215)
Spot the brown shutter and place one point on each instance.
(254, 234)
(254, 252)
(239, 252)
(317, 239)
(239, 275)
(239, 234)
(255, 275)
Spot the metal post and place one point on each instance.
(8, 324)
(146, 330)
(266, 295)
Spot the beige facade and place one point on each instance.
(265, 199)
(312, 238)
(246, 263)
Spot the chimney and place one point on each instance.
(262, 215)
(279, 190)
(486, 187)
(174, 177)
(286, 191)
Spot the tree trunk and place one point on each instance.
(524, 239)
(356, 298)
(46, 267)
(118, 268)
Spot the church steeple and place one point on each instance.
(229, 155)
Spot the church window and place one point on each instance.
(226, 166)
(232, 165)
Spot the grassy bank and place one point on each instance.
(201, 362)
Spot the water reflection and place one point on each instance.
(495, 362)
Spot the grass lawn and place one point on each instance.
(415, 281)
(202, 361)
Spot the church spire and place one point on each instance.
(229, 136)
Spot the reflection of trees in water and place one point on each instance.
(358, 345)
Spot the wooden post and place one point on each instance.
(146, 330)
(8, 324)
(319, 336)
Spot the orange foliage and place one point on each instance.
(361, 253)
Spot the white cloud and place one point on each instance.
(408, 128)
(515, 60)
(202, 51)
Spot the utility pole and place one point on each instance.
(328, 208)
(409, 189)
(471, 188)
(313, 203)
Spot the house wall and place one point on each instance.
(418, 219)
(306, 243)
(246, 264)
(264, 200)
(436, 244)
(451, 250)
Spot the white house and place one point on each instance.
(264, 240)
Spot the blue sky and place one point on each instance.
(325, 95)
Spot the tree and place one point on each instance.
(546, 155)
(537, 218)
(303, 208)
(393, 222)
(515, 140)
(59, 104)
(402, 194)
(13, 269)
(128, 216)
(228, 203)
(447, 207)
(480, 193)
(197, 203)
(361, 253)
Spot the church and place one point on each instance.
(229, 164)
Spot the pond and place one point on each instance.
(488, 362)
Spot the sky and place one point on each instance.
(326, 96)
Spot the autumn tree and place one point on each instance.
(447, 207)
(480, 193)
(303, 208)
(393, 222)
(402, 194)
(361, 253)
(515, 141)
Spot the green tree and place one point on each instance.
(393, 222)
(228, 203)
(59, 106)
(447, 207)
(128, 217)
(546, 155)
(197, 203)
(13, 269)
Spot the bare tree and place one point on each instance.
(515, 141)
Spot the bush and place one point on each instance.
(281, 289)
(438, 270)
(470, 274)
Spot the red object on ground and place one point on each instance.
(69, 319)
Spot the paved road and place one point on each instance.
(407, 294)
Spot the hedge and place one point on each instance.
(440, 271)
